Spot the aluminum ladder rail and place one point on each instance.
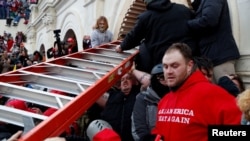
(86, 75)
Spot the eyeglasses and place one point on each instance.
(160, 77)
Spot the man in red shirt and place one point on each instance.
(193, 103)
(72, 46)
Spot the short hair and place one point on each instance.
(203, 63)
(240, 81)
(243, 102)
(101, 18)
(183, 48)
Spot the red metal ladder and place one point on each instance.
(86, 75)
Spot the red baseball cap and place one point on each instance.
(70, 40)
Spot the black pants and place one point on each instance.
(8, 21)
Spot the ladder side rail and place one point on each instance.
(62, 118)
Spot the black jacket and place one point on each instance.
(118, 111)
(226, 83)
(162, 24)
(213, 27)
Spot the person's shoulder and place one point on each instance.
(145, 15)
(94, 31)
(141, 95)
(181, 7)
(212, 90)
(109, 32)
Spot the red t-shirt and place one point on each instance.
(9, 45)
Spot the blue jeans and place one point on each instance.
(2, 12)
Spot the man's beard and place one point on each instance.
(102, 29)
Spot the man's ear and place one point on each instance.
(190, 66)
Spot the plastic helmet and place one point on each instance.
(96, 126)
(70, 40)
(157, 69)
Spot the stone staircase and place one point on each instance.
(12, 29)
(136, 8)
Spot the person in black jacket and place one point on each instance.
(119, 106)
(233, 83)
(212, 26)
(161, 25)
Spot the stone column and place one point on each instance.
(31, 40)
(49, 22)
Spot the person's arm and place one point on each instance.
(16, 136)
(195, 4)
(138, 118)
(55, 139)
(110, 36)
(142, 77)
(137, 34)
(210, 17)
(103, 100)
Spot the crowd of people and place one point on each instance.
(14, 10)
(183, 79)
(14, 54)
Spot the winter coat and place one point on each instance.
(161, 25)
(212, 26)
(118, 111)
(144, 114)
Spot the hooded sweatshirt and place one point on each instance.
(162, 24)
(186, 113)
(145, 110)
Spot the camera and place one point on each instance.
(57, 31)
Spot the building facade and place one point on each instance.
(77, 17)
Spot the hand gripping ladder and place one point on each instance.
(86, 75)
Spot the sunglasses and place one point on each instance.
(160, 77)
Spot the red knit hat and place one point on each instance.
(107, 135)
(18, 104)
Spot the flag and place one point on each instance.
(14, 68)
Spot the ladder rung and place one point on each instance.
(71, 86)
(84, 75)
(15, 116)
(34, 96)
